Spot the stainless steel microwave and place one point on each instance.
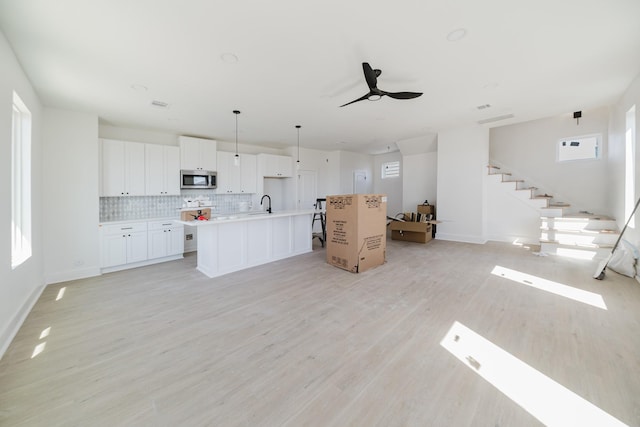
(198, 179)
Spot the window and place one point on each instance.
(20, 183)
(579, 148)
(391, 169)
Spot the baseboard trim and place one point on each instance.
(461, 238)
(141, 263)
(66, 276)
(14, 325)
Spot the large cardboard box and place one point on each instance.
(356, 231)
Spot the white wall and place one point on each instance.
(616, 160)
(20, 287)
(392, 187)
(528, 150)
(350, 163)
(71, 243)
(420, 178)
(463, 155)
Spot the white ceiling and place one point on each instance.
(299, 60)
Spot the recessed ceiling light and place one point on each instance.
(159, 104)
(229, 58)
(457, 34)
(140, 88)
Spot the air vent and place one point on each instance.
(495, 119)
(159, 104)
(483, 107)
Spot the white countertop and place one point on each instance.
(129, 221)
(245, 216)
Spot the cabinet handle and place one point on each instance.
(166, 224)
(126, 228)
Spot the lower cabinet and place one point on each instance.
(124, 244)
(165, 239)
(127, 245)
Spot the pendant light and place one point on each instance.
(298, 162)
(236, 159)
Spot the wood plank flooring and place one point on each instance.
(300, 343)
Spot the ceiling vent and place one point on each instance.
(495, 119)
(483, 106)
(159, 104)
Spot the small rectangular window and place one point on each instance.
(20, 183)
(391, 170)
(585, 147)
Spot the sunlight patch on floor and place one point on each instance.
(556, 288)
(545, 399)
(576, 253)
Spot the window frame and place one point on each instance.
(21, 247)
(385, 168)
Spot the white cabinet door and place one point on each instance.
(197, 153)
(112, 158)
(157, 243)
(208, 155)
(154, 169)
(175, 241)
(274, 166)
(228, 173)
(123, 169)
(162, 170)
(248, 173)
(172, 171)
(136, 247)
(114, 250)
(134, 168)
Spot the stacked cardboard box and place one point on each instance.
(356, 231)
(190, 215)
(416, 226)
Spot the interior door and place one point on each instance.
(307, 189)
(359, 182)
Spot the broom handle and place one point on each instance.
(625, 226)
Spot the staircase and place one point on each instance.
(578, 235)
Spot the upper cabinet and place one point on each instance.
(162, 170)
(123, 168)
(198, 154)
(236, 179)
(274, 166)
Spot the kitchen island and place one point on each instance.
(229, 243)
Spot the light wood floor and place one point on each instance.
(300, 343)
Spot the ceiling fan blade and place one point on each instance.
(370, 75)
(362, 98)
(403, 95)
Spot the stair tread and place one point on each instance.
(513, 180)
(580, 231)
(542, 196)
(583, 217)
(578, 245)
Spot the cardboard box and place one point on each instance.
(189, 215)
(356, 231)
(419, 232)
(425, 209)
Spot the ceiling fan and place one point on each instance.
(371, 76)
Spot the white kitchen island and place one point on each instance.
(238, 241)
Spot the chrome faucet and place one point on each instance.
(268, 197)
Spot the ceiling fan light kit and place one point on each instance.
(371, 76)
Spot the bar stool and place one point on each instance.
(321, 216)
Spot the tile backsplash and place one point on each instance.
(144, 207)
